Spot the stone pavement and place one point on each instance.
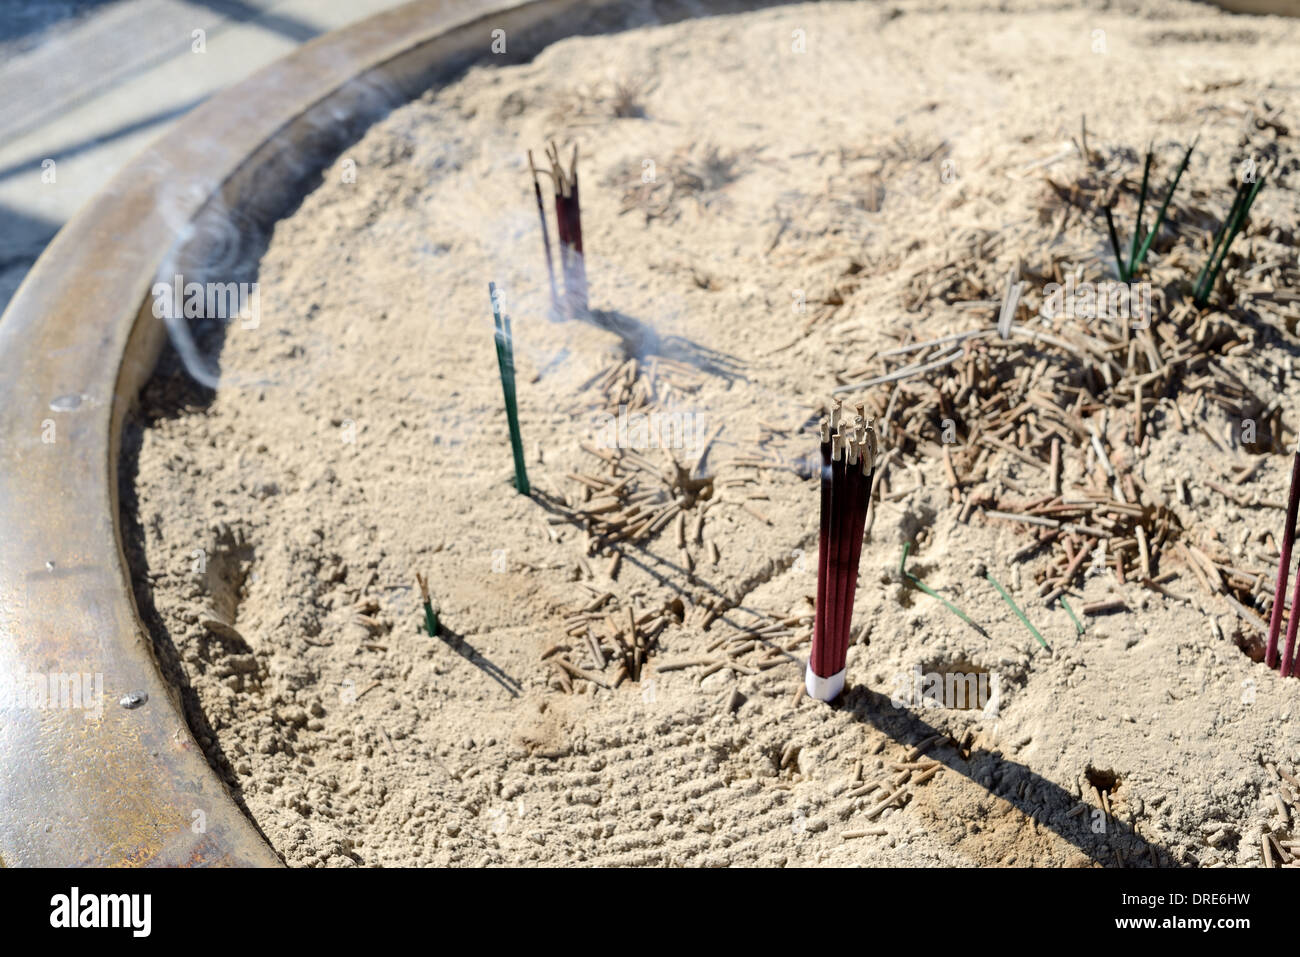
(85, 85)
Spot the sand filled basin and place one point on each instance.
(776, 205)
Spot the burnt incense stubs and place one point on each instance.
(572, 300)
(849, 452)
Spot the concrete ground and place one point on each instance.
(85, 85)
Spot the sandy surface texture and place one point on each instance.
(772, 202)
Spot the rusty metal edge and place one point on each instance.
(123, 786)
(1277, 8)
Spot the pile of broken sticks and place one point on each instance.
(848, 453)
(744, 649)
(655, 384)
(606, 634)
(1129, 538)
(630, 498)
(608, 642)
(894, 790)
(1125, 535)
(1008, 420)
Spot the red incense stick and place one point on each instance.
(1284, 571)
(839, 500)
(820, 660)
(848, 465)
(568, 232)
(823, 538)
(1288, 652)
(579, 294)
(837, 647)
(566, 227)
(561, 206)
(865, 476)
(819, 657)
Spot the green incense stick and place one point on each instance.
(1139, 247)
(1142, 203)
(430, 616)
(1114, 245)
(1016, 608)
(1164, 206)
(1236, 219)
(908, 576)
(506, 364)
(1200, 290)
(1078, 625)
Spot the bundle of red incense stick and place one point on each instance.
(1288, 662)
(849, 452)
(568, 228)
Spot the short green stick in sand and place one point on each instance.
(908, 576)
(1078, 625)
(430, 616)
(1016, 608)
(506, 363)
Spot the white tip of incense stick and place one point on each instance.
(824, 689)
(870, 449)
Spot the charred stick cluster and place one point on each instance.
(613, 642)
(629, 497)
(1047, 425)
(848, 454)
(571, 300)
(655, 384)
